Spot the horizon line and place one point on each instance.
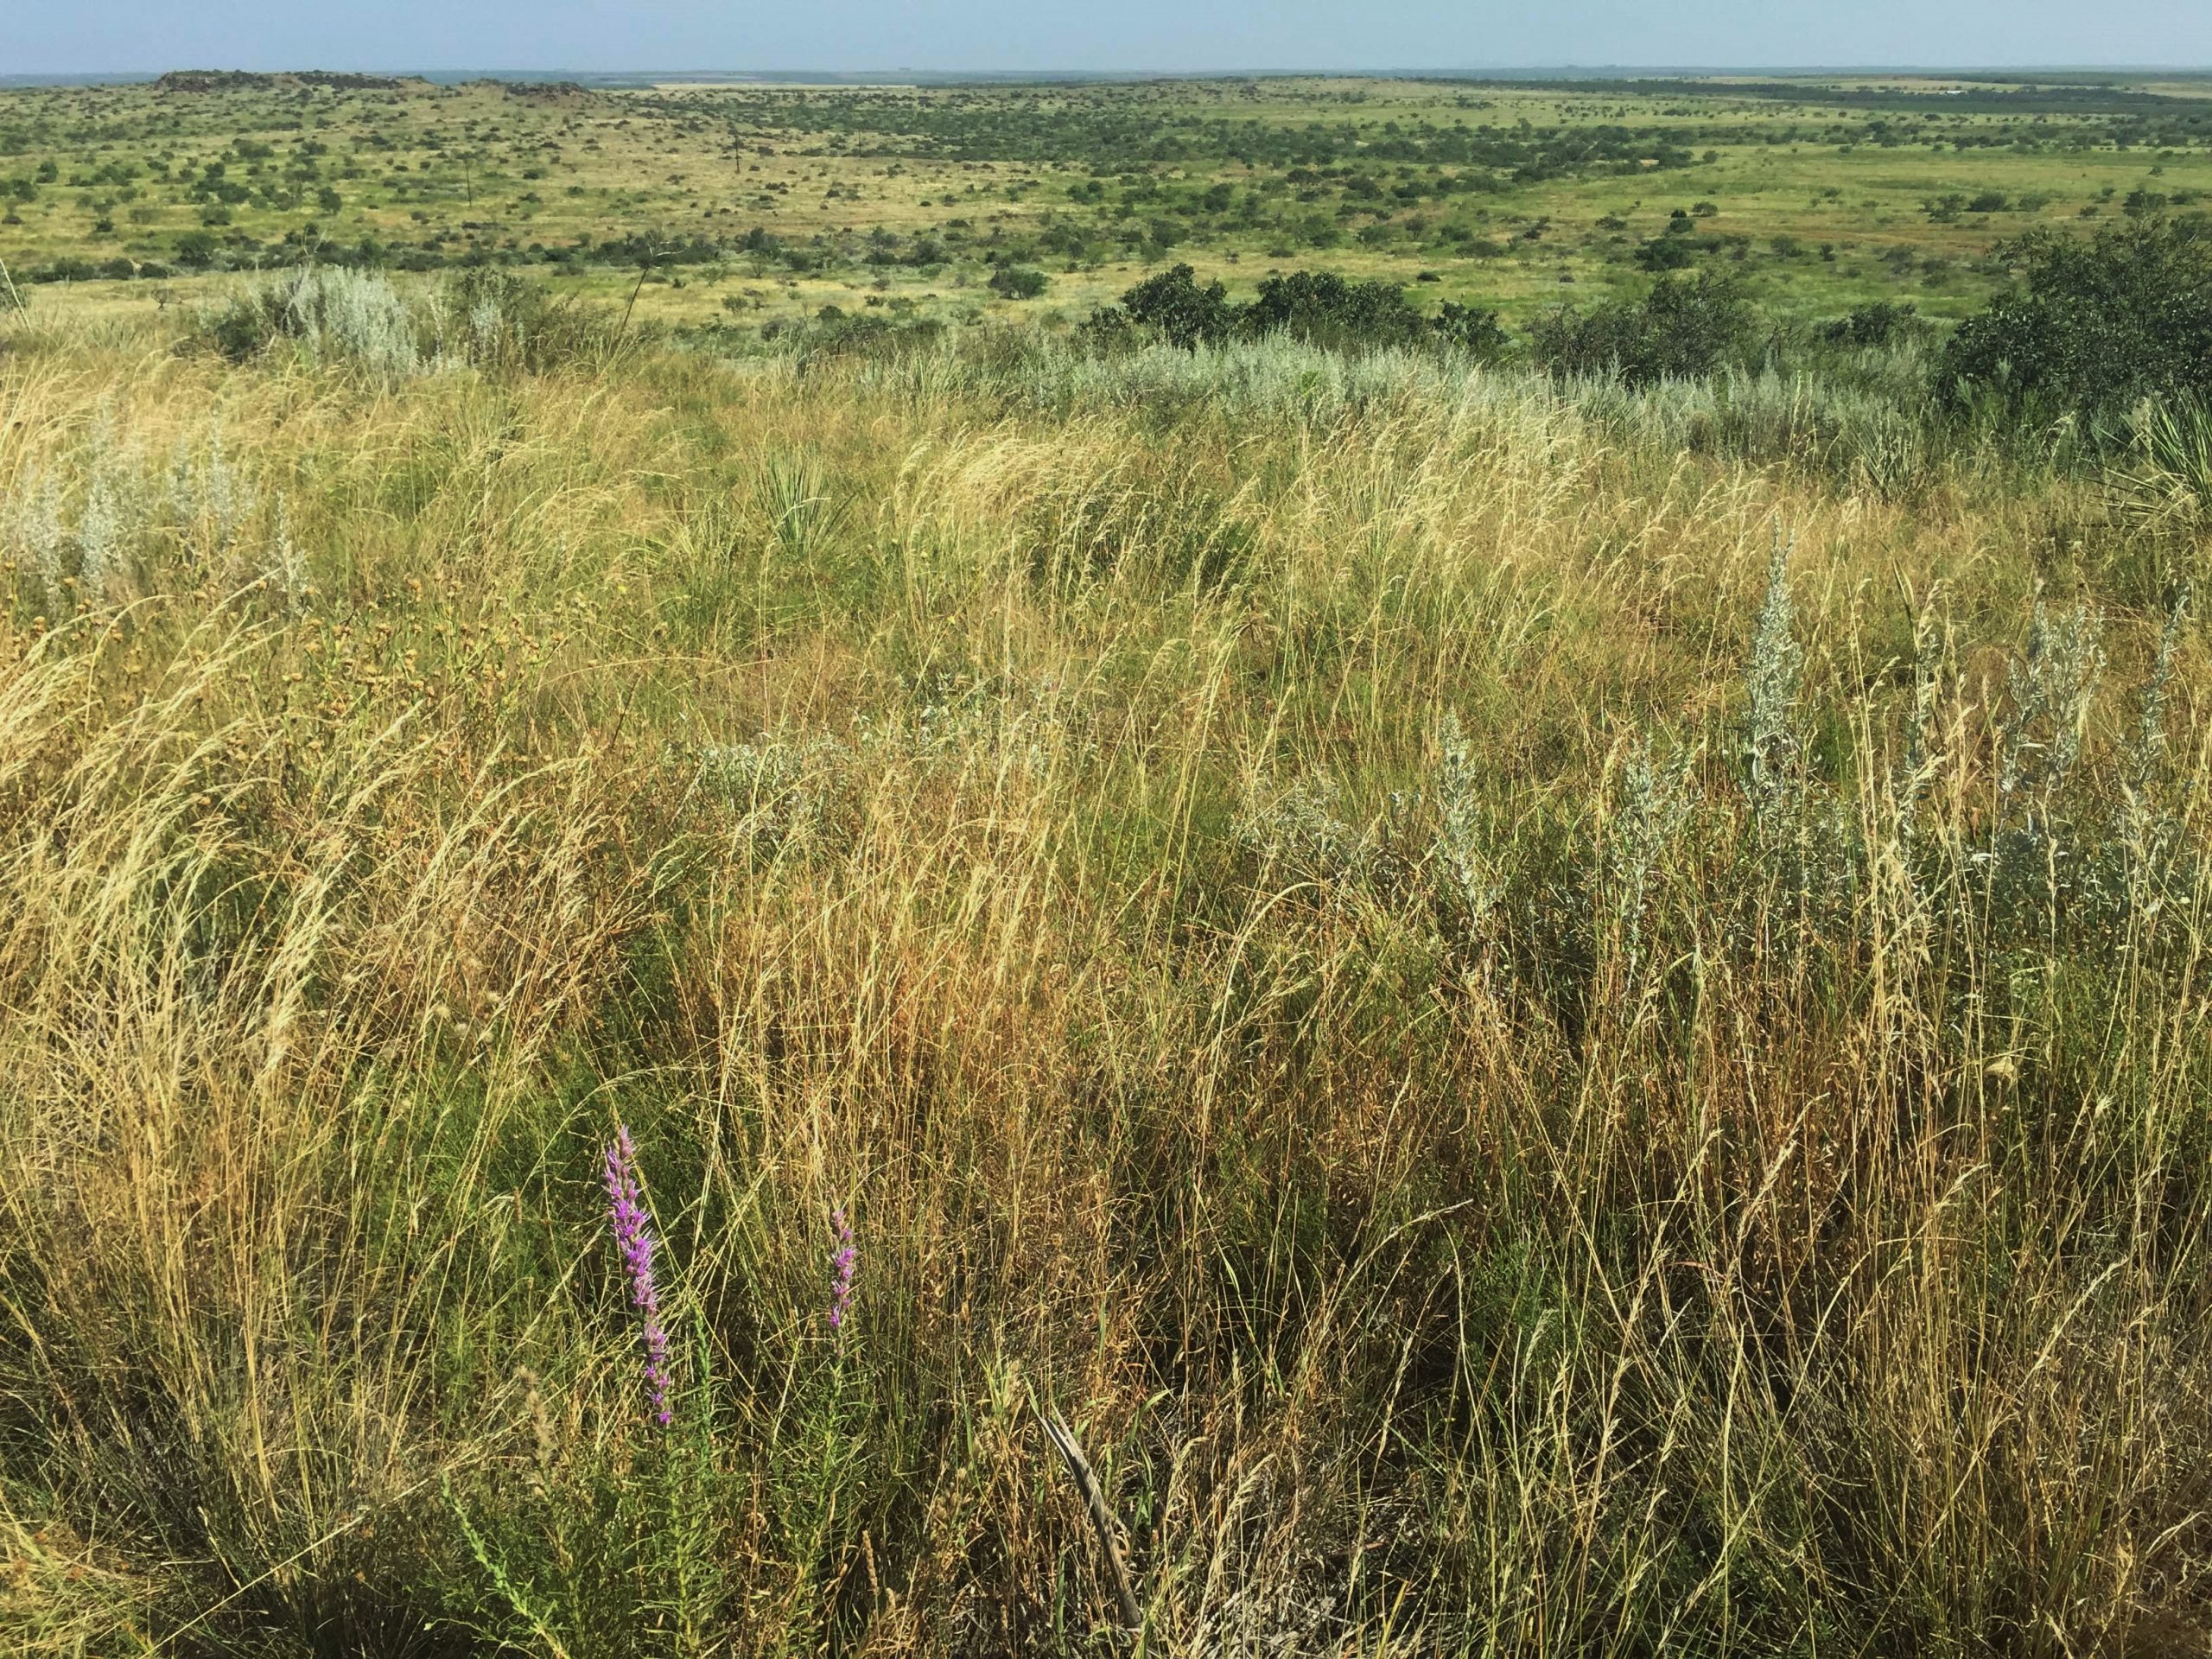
(1561, 71)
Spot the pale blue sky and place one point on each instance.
(125, 35)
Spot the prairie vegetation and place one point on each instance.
(1557, 1012)
(752, 205)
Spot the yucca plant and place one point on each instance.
(2164, 481)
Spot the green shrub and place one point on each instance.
(1682, 326)
(834, 333)
(2093, 325)
(1668, 252)
(1871, 325)
(1471, 328)
(1183, 313)
(68, 269)
(508, 321)
(1018, 281)
(1313, 307)
(1324, 309)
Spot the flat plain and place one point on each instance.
(1821, 193)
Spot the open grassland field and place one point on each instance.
(753, 203)
(1556, 997)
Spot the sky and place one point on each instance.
(123, 37)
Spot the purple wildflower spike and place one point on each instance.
(842, 1265)
(633, 1237)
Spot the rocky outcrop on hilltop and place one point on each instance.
(249, 80)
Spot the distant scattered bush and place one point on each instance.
(1315, 308)
(1672, 251)
(1682, 326)
(1018, 281)
(2093, 325)
(834, 332)
(67, 269)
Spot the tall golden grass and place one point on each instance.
(1508, 1185)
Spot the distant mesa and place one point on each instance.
(248, 80)
(540, 91)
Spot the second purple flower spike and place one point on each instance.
(633, 1238)
(842, 1269)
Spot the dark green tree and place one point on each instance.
(1682, 326)
(1182, 311)
(1322, 308)
(1018, 281)
(2093, 325)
